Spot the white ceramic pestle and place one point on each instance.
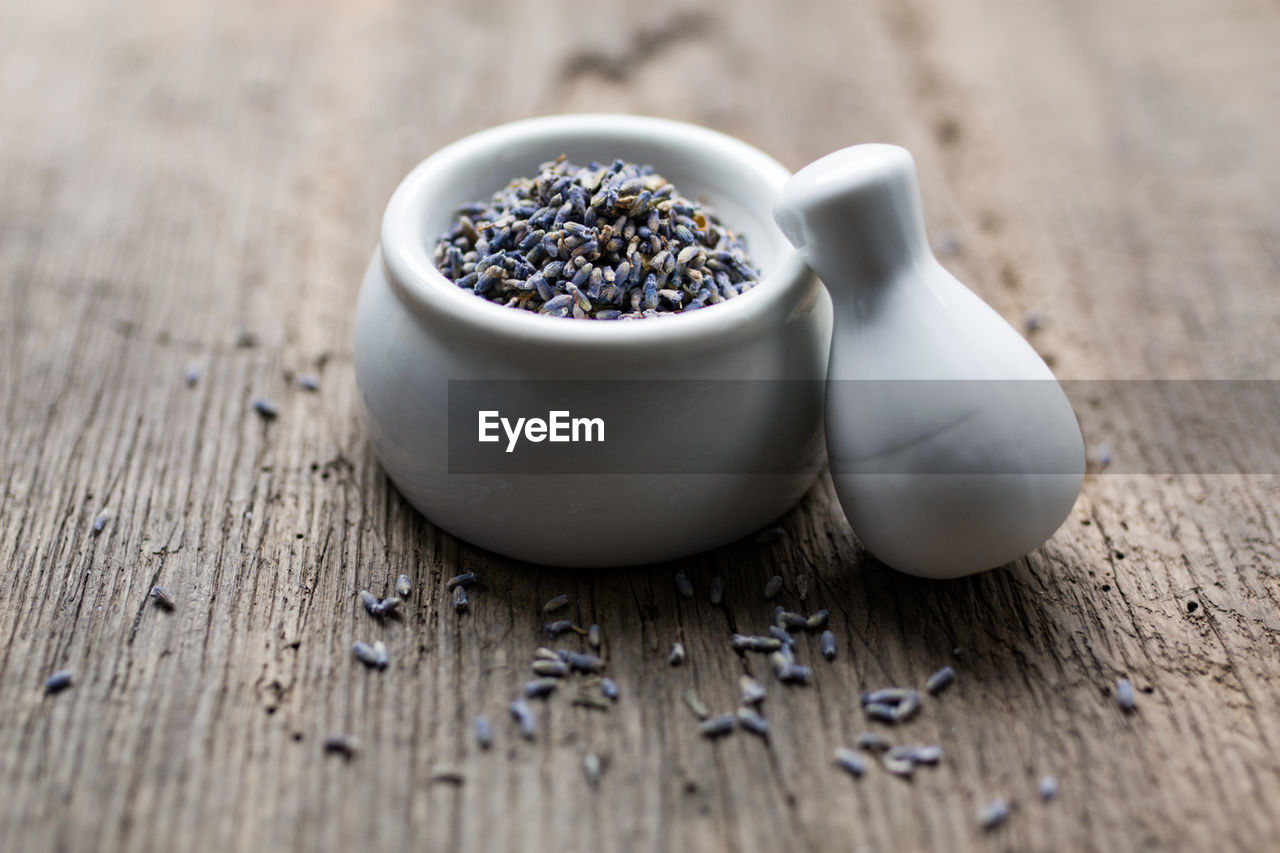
(952, 447)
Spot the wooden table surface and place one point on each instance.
(202, 182)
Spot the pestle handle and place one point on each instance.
(855, 214)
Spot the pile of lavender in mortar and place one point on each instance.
(594, 242)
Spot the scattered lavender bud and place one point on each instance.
(931, 754)
(683, 585)
(460, 602)
(592, 768)
(556, 628)
(593, 636)
(101, 522)
(551, 668)
(555, 604)
(1048, 787)
(752, 691)
(772, 588)
(716, 594)
(308, 382)
(465, 579)
(849, 761)
(1032, 321)
(609, 688)
(370, 601)
(828, 644)
(940, 680)
(1104, 455)
(484, 732)
(340, 744)
(817, 620)
(582, 663)
(266, 408)
(884, 696)
(677, 654)
(161, 597)
(872, 742)
(59, 681)
(540, 687)
(883, 713)
(717, 726)
(751, 720)
(755, 643)
(403, 586)
(899, 762)
(374, 656)
(695, 704)
(386, 606)
(993, 814)
(786, 619)
(192, 374)
(908, 707)
(525, 718)
(781, 635)
(1125, 697)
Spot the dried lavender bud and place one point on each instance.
(683, 585)
(161, 597)
(525, 718)
(781, 635)
(540, 687)
(784, 618)
(555, 604)
(340, 744)
(849, 761)
(59, 681)
(374, 656)
(828, 645)
(464, 580)
(552, 668)
(677, 654)
(192, 374)
(600, 242)
(582, 663)
(772, 588)
(716, 593)
(1048, 788)
(100, 522)
(751, 720)
(714, 727)
(899, 762)
(993, 814)
(940, 680)
(885, 696)
(484, 732)
(592, 768)
(752, 691)
(593, 636)
(609, 688)
(1125, 697)
(755, 643)
(695, 704)
(817, 620)
(555, 629)
(883, 713)
(872, 742)
(908, 707)
(403, 586)
(370, 601)
(386, 606)
(266, 408)
(460, 602)
(308, 381)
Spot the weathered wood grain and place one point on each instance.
(177, 180)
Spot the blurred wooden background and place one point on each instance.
(178, 180)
